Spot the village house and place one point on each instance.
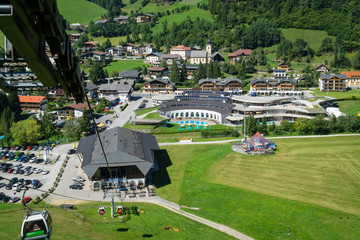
(169, 58)
(145, 17)
(352, 79)
(90, 44)
(77, 109)
(115, 51)
(121, 19)
(76, 26)
(128, 47)
(285, 66)
(143, 49)
(91, 90)
(280, 73)
(322, 69)
(269, 84)
(181, 50)
(223, 85)
(158, 86)
(55, 93)
(33, 103)
(114, 91)
(154, 72)
(96, 55)
(239, 54)
(332, 83)
(190, 69)
(130, 74)
(153, 58)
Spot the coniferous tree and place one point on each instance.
(183, 73)
(174, 73)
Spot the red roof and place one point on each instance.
(180, 48)
(246, 52)
(352, 74)
(31, 99)
(90, 43)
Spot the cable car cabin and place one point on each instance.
(101, 211)
(36, 225)
(119, 210)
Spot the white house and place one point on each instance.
(153, 58)
(76, 108)
(181, 50)
(115, 91)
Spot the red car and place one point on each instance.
(27, 199)
(10, 170)
(13, 147)
(29, 148)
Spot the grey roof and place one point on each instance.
(123, 147)
(129, 74)
(220, 107)
(327, 76)
(121, 17)
(279, 70)
(90, 86)
(196, 48)
(154, 53)
(273, 81)
(117, 87)
(189, 67)
(170, 56)
(199, 54)
(162, 81)
(127, 81)
(220, 82)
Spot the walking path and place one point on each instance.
(235, 140)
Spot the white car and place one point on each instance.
(78, 178)
(33, 160)
(38, 170)
(44, 172)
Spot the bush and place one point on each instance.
(211, 134)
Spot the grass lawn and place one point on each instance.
(131, 7)
(180, 17)
(80, 11)
(125, 65)
(153, 116)
(310, 186)
(2, 39)
(313, 37)
(347, 94)
(144, 111)
(114, 40)
(149, 224)
(350, 107)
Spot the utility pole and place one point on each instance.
(245, 105)
(112, 207)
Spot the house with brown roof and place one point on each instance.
(352, 79)
(227, 84)
(157, 71)
(90, 44)
(33, 103)
(332, 83)
(144, 17)
(158, 86)
(322, 69)
(239, 54)
(76, 108)
(284, 65)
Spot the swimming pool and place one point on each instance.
(190, 121)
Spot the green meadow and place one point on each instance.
(125, 65)
(80, 11)
(307, 190)
(150, 224)
(350, 107)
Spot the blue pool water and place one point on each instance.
(187, 122)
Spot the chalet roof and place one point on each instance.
(121, 18)
(199, 54)
(145, 14)
(189, 66)
(322, 65)
(78, 106)
(279, 70)
(31, 99)
(129, 74)
(352, 74)
(156, 69)
(273, 81)
(98, 53)
(127, 81)
(123, 147)
(154, 54)
(170, 56)
(90, 86)
(164, 81)
(327, 76)
(196, 48)
(115, 87)
(219, 82)
(239, 52)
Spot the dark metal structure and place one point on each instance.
(30, 26)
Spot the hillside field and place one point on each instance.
(80, 11)
(310, 185)
(150, 224)
(313, 37)
(125, 65)
(350, 107)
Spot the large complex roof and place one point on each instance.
(123, 147)
(31, 99)
(219, 82)
(263, 100)
(327, 76)
(273, 81)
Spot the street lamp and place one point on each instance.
(245, 105)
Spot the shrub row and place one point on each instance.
(123, 107)
(222, 133)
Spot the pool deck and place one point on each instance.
(206, 120)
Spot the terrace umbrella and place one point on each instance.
(182, 125)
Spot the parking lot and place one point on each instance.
(36, 169)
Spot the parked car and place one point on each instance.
(29, 148)
(14, 199)
(38, 170)
(77, 187)
(5, 199)
(44, 172)
(27, 182)
(78, 178)
(13, 180)
(9, 186)
(2, 184)
(11, 170)
(33, 160)
(71, 151)
(47, 161)
(35, 183)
